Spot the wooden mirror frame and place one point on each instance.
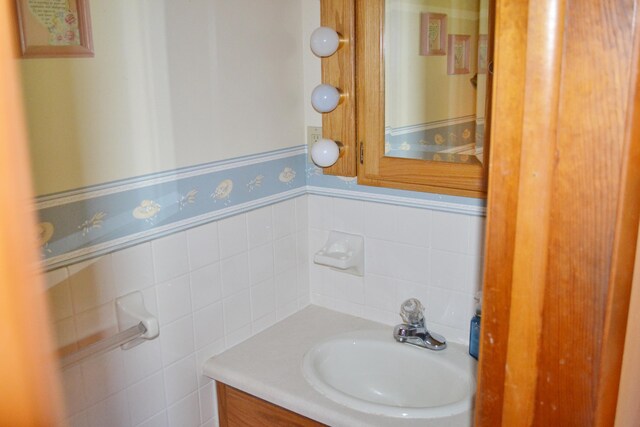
(374, 168)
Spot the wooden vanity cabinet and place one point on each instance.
(237, 408)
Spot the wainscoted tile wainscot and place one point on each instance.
(218, 277)
(216, 285)
(211, 287)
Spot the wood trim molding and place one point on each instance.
(460, 179)
(533, 214)
(338, 70)
(502, 202)
(624, 251)
(563, 214)
(29, 395)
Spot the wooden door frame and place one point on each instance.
(29, 393)
(563, 213)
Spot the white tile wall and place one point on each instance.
(216, 285)
(409, 252)
(211, 288)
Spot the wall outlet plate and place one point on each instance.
(314, 134)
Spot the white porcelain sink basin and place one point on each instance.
(370, 372)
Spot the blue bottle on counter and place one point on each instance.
(474, 328)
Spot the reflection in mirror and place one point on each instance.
(435, 79)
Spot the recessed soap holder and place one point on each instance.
(344, 252)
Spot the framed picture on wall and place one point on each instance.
(482, 53)
(433, 34)
(55, 28)
(458, 54)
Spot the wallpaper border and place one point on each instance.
(88, 222)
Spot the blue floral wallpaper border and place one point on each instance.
(454, 140)
(91, 221)
(84, 223)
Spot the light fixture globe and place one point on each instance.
(324, 41)
(325, 98)
(325, 152)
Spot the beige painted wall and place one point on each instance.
(311, 63)
(420, 90)
(172, 84)
(628, 410)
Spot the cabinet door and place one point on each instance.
(239, 409)
(429, 161)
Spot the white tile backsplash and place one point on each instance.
(217, 284)
(380, 221)
(96, 321)
(208, 325)
(186, 412)
(180, 379)
(133, 269)
(106, 370)
(112, 411)
(203, 245)
(347, 215)
(170, 257)
(320, 212)
(302, 213)
(259, 227)
(285, 256)
(73, 390)
(451, 270)
(158, 420)
(78, 420)
(174, 299)
(177, 340)
(237, 311)
(60, 300)
(261, 263)
(232, 234)
(146, 398)
(235, 274)
(415, 226)
(284, 219)
(65, 331)
(450, 232)
(206, 286)
(237, 336)
(92, 283)
(263, 299)
(409, 252)
(207, 397)
(142, 361)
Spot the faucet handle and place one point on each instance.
(412, 311)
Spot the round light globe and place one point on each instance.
(325, 98)
(324, 41)
(325, 152)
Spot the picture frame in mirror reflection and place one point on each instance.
(458, 54)
(433, 34)
(55, 28)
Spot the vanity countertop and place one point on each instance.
(269, 366)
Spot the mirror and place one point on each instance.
(435, 56)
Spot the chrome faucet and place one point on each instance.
(414, 331)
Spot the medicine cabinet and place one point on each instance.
(415, 78)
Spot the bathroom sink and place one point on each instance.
(370, 372)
